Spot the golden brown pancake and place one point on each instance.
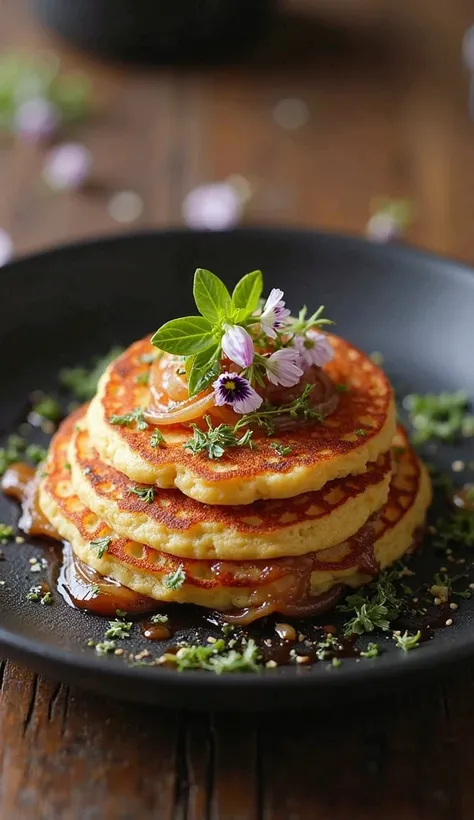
(358, 431)
(287, 585)
(179, 525)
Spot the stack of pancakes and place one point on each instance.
(285, 526)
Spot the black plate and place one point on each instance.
(64, 306)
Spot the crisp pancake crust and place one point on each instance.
(359, 430)
(225, 585)
(184, 527)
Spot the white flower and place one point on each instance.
(274, 313)
(230, 388)
(314, 349)
(283, 367)
(237, 345)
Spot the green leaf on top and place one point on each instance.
(184, 337)
(205, 368)
(247, 293)
(211, 296)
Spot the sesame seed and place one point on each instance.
(449, 622)
(211, 639)
(437, 601)
(119, 652)
(453, 606)
(19, 539)
(471, 586)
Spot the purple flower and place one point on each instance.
(68, 166)
(314, 348)
(283, 367)
(36, 119)
(274, 313)
(6, 247)
(213, 207)
(237, 345)
(230, 388)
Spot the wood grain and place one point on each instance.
(387, 96)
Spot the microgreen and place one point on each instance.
(406, 642)
(118, 629)
(443, 416)
(215, 658)
(156, 438)
(105, 647)
(135, 416)
(81, 381)
(216, 440)
(101, 544)
(302, 324)
(373, 607)
(6, 532)
(175, 580)
(371, 652)
(158, 618)
(146, 494)
(281, 449)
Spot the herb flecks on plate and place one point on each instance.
(443, 416)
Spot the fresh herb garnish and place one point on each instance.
(34, 593)
(175, 580)
(281, 449)
(156, 438)
(101, 544)
(361, 433)
(216, 440)
(443, 416)
(215, 658)
(302, 324)
(372, 651)
(374, 606)
(47, 599)
(146, 494)
(406, 642)
(119, 629)
(13, 451)
(94, 590)
(158, 618)
(6, 532)
(135, 416)
(105, 647)
(81, 381)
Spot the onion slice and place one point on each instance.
(181, 413)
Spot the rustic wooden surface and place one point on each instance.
(387, 95)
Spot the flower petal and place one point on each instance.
(235, 390)
(283, 367)
(237, 345)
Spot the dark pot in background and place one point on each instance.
(157, 30)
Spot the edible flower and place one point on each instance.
(274, 314)
(283, 367)
(237, 345)
(235, 390)
(314, 348)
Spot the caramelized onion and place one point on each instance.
(302, 609)
(183, 412)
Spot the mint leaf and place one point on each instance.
(184, 337)
(211, 296)
(247, 292)
(205, 368)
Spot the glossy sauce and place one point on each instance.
(20, 481)
(155, 632)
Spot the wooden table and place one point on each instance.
(387, 96)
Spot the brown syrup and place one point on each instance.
(155, 632)
(20, 481)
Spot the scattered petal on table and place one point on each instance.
(291, 113)
(68, 166)
(215, 207)
(6, 247)
(125, 206)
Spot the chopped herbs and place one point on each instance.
(281, 449)
(146, 494)
(101, 544)
(119, 629)
(374, 606)
(215, 658)
(36, 594)
(48, 408)
(176, 579)
(13, 451)
(156, 438)
(47, 599)
(406, 642)
(216, 440)
(443, 416)
(94, 590)
(158, 618)
(457, 529)
(35, 453)
(6, 532)
(105, 647)
(372, 651)
(143, 378)
(82, 382)
(361, 433)
(135, 416)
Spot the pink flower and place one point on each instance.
(283, 367)
(68, 166)
(237, 345)
(274, 313)
(314, 348)
(36, 119)
(230, 388)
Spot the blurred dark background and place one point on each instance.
(322, 113)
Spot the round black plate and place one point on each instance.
(62, 307)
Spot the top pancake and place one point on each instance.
(358, 431)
